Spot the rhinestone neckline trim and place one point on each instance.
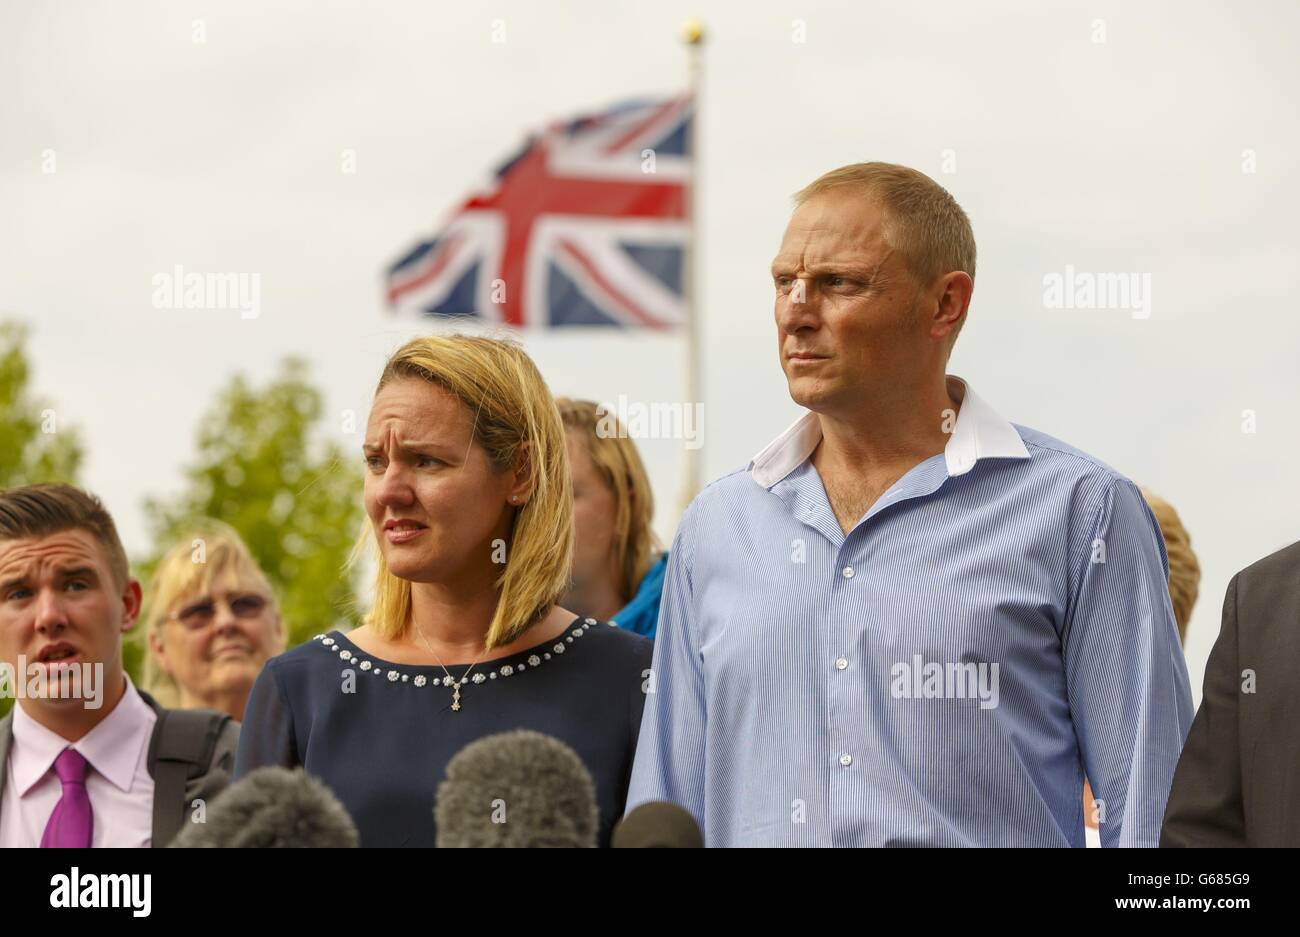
(394, 675)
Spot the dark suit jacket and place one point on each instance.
(204, 787)
(1238, 781)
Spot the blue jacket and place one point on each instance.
(641, 615)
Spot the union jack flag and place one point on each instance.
(586, 226)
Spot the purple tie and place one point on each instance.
(72, 823)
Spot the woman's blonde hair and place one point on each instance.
(616, 458)
(1184, 570)
(207, 552)
(516, 422)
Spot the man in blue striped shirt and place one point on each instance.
(908, 621)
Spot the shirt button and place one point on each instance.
(846, 759)
(841, 663)
(847, 572)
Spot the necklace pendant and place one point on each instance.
(455, 699)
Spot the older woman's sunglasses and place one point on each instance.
(201, 614)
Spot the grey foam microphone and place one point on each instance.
(657, 825)
(272, 807)
(517, 789)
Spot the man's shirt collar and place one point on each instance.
(979, 433)
(112, 747)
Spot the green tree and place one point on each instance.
(265, 469)
(36, 444)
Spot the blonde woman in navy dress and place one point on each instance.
(469, 502)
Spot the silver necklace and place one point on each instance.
(455, 686)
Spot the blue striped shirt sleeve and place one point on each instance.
(1127, 683)
(669, 764)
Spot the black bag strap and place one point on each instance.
(181, 749)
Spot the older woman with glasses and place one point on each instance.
(211, 623)
(470, 511)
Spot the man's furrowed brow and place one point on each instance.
(12, 582)
(856, 267)
(73, 572)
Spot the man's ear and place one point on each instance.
(954, 292)
(132, 597)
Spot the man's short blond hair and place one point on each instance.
(922, 221)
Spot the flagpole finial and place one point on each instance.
(693, 32)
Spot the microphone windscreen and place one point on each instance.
(517, 789)
(272, 807)
(657, 825)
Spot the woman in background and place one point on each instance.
(212, 622)
(470, 510)
(618, 568)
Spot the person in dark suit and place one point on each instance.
(1238, 781)
(86, 759)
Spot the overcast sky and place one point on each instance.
(1145, 138)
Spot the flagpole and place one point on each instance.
(693, 36)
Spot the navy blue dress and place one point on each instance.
(383, 748)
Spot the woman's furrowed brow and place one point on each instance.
(408, 445)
